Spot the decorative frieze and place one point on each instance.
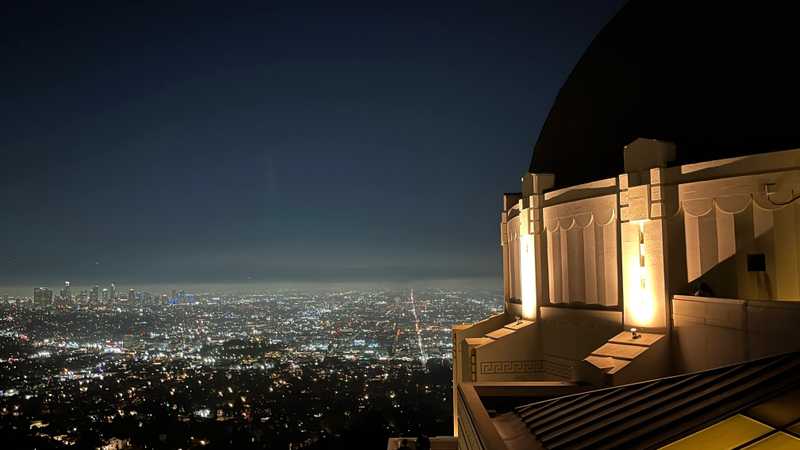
(507, 367)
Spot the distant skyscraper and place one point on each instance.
(131, 295)
(105, 295)
(66, 293)
(42, 296)
(113, 291)
(94, 295)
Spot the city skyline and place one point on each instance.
(26, 291)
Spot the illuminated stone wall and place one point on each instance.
(600, 257)
(705, 219)
(582, 255)
(728, 220)
(515, 274)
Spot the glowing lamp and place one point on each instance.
(527, 269)
(641, 306)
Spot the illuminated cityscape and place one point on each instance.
(260, 370)
(475, 226)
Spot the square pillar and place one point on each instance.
(533, 248)
(643, 229)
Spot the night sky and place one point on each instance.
(191, 143)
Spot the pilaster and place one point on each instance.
(533, 187)
(645, 263)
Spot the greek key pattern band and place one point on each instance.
(524, 366)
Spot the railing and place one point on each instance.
(476, 430)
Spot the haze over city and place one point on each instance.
(470, 226)
(254, 226)
(153, 143)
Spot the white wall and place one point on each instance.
(712, 332)
(728, 218)
(568, 335)
(582, 251)
(515, 284)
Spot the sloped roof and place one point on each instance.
(716, 78)
(653, 413)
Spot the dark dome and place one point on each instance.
(716, 78)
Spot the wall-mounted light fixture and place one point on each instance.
(642, 308)
(527, 273)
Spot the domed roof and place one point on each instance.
(715, 78)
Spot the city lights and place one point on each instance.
(216, 358)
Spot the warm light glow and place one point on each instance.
(527, 271)
(642, 304)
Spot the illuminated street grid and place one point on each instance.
(261, 370)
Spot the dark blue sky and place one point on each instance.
(152, 143)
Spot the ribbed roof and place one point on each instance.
(653, 413)
(716, 78)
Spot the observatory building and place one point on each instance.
(651, 260)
